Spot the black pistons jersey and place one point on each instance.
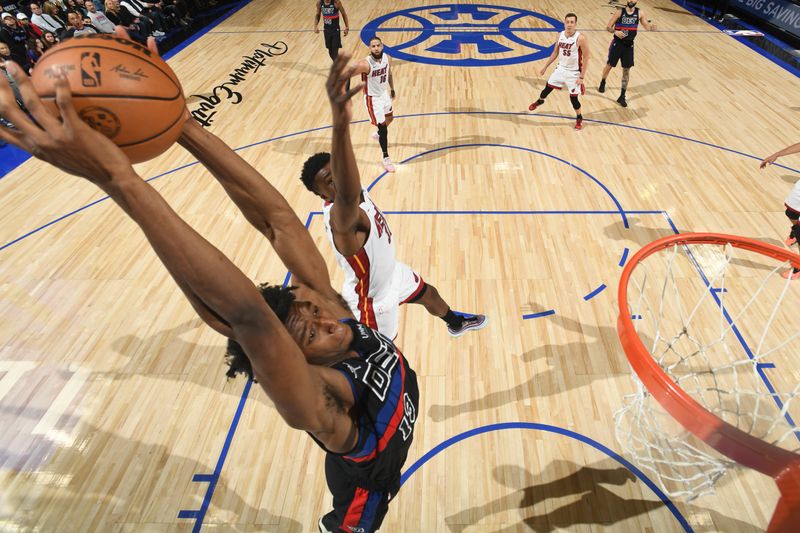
(385, 409)
(628, 23)
(330, 16)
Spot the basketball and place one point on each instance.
(120, 88)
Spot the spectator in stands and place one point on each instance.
(137, 28)
(76, 26)
(35, 51)
(73, 5)
(144, 11)
(49, 39)
(15, 37)
(32, 30)
(98, 19)
(45, 21)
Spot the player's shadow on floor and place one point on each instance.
(643, 235)
(577, 495)
(305, 68)
(790, 178)
(638, 91)
(122, 474)
(573, 357)
(166, 354)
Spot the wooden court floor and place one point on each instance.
(114, 408)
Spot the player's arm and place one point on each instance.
(793, 149)
(345, 212)
(552, 58)
(649, 26)
(391, 82)
(583, 46)
(317, 16)
(202, 271)
(612, 23)
(340, 7)
(263, 206)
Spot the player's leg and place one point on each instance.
(383, 110)
(354, 508)
(556, 81)
(412, 289)
(627, 64)
(575, 91)
(611, 62)
(794, 237)
(333, 42)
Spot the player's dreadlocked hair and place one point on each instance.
(310, 168)
(280, 301)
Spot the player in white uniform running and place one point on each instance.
(378, 94)
(792, 204)
(572, 50)
(375, 284)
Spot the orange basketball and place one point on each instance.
(120, 88)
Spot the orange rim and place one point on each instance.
(780, 464)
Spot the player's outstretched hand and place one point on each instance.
(338, 94)
(768, 161)
(62, 140)
(120, 31)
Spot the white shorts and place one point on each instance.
(378, 107)
(562, 77)
(406, 285)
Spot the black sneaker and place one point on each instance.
(470, 322)
(621, 100)
(602, 87)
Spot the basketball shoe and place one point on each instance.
(470, 322)
(388, 165)
(534, 105)
(791, 274)
(579, 124)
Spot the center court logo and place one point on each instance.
(460, 35)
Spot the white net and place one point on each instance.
(724, 325)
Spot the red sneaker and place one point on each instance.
(578, 125)
(533, 106)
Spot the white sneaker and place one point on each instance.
(158, 34)
(388, 165)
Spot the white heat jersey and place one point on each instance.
(569, 54)
(377, 80)
(370, 271)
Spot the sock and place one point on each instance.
(452, 319)
(622, 93)
(579, 117)
(383, 140)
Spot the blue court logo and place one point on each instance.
(460, 35)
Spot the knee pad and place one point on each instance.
(576, 104)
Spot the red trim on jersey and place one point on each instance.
(416, 291)
(328, 17)
(553, 87)
(370, 110)
(394, 422)
(359, 262)
(356, 509)
(629, 28)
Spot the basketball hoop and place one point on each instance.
(694, 303)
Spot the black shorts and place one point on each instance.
(333, 39)
(619, 50)
(354, 508)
